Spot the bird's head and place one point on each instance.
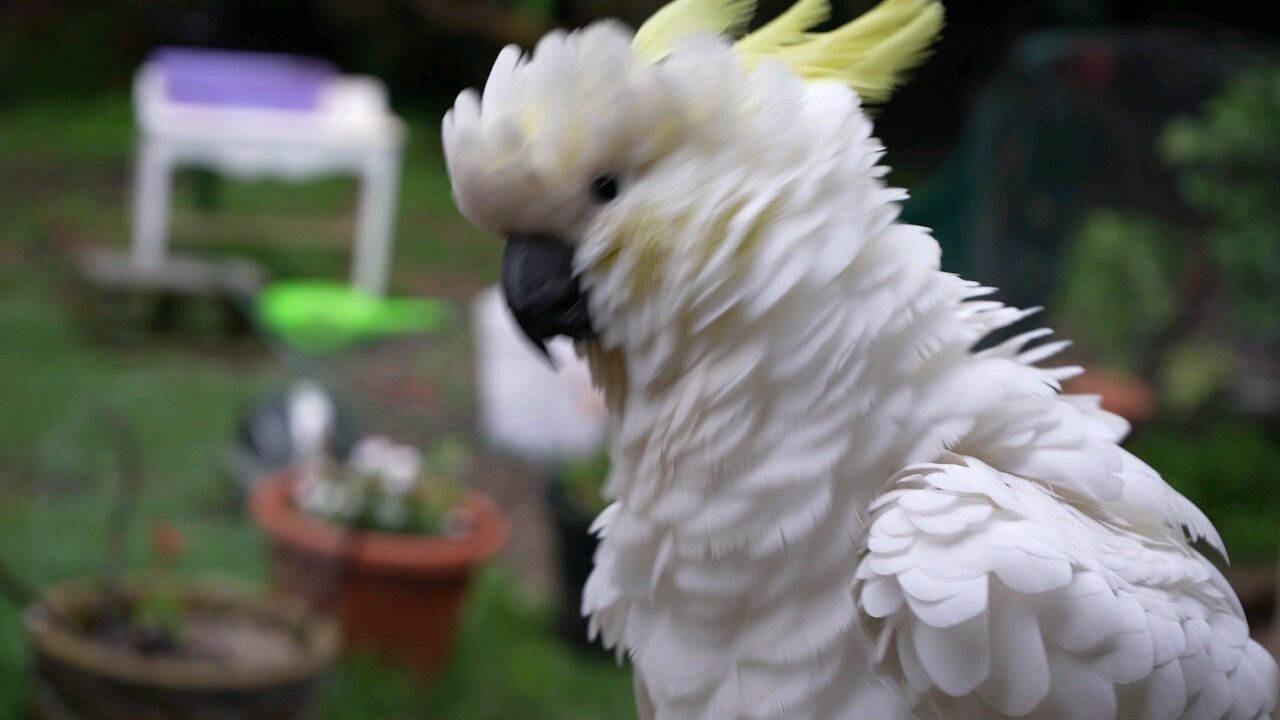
(630, 173)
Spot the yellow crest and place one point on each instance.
(870, 54)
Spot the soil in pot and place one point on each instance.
(398, 596)
(232, 656)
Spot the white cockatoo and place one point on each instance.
(825, 503)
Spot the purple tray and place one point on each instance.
(244, 79)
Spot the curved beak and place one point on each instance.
(542, 290)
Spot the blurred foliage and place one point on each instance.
(1120, 291)
(583, 482)
(1229, 159)
(1133, 288)
(1192, 374)
(78, 29)
(1228, 469)
(1178, 304)
(541, 9)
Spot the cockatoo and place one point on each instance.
(826, 503)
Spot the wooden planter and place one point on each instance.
(399, 596)
(76, 676)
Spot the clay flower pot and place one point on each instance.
(248, 657)
(397, 595)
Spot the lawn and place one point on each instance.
(63, 182)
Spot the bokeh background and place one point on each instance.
(1116, 161)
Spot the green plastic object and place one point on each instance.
(322, 316)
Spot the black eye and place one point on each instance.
(605, 188)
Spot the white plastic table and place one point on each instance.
(350, 131)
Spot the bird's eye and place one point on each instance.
(605, 188)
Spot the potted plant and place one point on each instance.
(387, 540)
(163, 647)
(150, 649)
(574, 496)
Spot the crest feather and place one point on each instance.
(684, 18)
(789, 28)
(872, 53)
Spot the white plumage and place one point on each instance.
(825, 503)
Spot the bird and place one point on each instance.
(828, 496)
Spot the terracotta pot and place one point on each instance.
(399, 596)
(78, 676)
(1128, 396)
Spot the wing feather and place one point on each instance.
(1097, 622)
(1019, 676)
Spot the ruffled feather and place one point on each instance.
(1049, 631)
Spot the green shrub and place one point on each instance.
(1229, 470)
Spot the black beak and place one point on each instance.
(542, 291)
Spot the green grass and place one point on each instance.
(506, 666)
(63, 181)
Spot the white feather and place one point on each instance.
(1096, 641)
(779, 349)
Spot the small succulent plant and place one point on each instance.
(157, 620)
(388, 487)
